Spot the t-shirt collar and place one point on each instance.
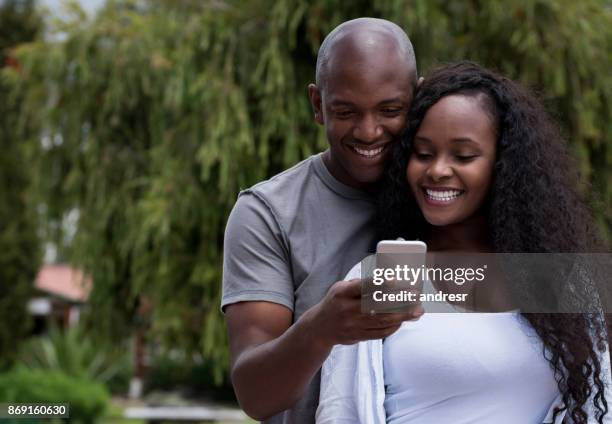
(342, 189)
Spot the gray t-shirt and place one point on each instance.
(288, 239)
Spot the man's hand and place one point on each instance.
(339, 320)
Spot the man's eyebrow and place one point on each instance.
(422, 139)
(341, 103)
(393, 100)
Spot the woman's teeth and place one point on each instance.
(443, 195)
(368, 153)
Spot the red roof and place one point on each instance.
(63, 281)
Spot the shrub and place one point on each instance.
(75, 353)
(87, 399)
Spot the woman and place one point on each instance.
(481, 169)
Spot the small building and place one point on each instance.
(60, 293)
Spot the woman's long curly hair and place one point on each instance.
(533, 206)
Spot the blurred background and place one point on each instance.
(127, 129)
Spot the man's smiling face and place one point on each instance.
(363, 103)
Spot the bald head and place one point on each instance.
(364, 39)
(366, 77)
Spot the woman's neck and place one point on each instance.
(469, 235)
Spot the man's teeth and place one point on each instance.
(443, 196)
(368, 152)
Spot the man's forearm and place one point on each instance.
(271, 377)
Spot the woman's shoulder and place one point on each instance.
(352, 384)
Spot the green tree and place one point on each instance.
(155, 114)
(18, 239)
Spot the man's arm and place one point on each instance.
(273, 361)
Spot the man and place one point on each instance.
(290, 238)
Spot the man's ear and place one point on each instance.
(420, 81)
(314, 94)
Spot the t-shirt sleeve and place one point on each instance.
(256, 265)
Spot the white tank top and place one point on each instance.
(467, 368)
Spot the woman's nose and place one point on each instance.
(439, 170)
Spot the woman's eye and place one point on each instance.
(465, 158)
(423, 156)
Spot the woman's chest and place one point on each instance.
(455, 354)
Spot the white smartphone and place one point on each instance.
(401, 246)
(389, 255)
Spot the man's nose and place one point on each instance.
(439, 170)
(368, 129)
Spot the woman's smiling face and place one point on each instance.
(451, 165)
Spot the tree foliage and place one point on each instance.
(155, 114)
(18, 238)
